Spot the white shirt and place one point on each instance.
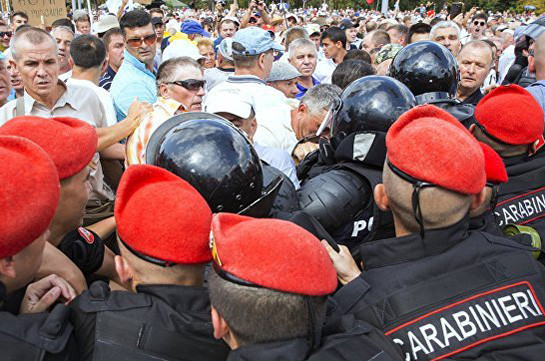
(324, 70)
(103, 95)
(506, 60)
(273, 112)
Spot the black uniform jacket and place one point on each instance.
(159, 322)
(453, 294)
(522, 199)
(37, 336)
(344, 339)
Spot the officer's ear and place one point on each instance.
(221, 328)
(478, 199)
(7, 267)
(123, 269)
(381, 199)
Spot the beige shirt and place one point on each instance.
(76, 102)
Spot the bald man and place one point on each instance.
(474, 62)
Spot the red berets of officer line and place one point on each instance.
(29, 193)
(70, 142)
(160, 215)
(511, 115)
(431, 145)
(271, 253)
(493, 165)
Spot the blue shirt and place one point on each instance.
(303, 90)
(537, 89)
(280, 159)
(132, 80)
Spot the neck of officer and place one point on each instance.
(91, 74)
(180, 275)
(58, 231)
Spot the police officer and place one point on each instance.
(510, 120)
(437, 290)
(220, 162)
(30, 193)
(481, 218)
(273, 307)
(338, 180)
(72, 144)
(430, 71)
(163, 229)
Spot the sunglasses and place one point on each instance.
(480, 23)
(190, 84)
(6, 33)
(148, 39)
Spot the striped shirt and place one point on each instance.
(132, 80)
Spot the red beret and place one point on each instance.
(29, 193)
(70, 142)
(430, 145)
(493, 165)
(162, 216)
(272, 253)
(511, 114)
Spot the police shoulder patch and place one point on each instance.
(470, 322)
(86, 235)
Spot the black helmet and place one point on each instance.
(371, 103)
(215, 158)
(428, 69)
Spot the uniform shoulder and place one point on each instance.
(100, 297)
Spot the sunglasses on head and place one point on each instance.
(5, 33)
(148, 39)
(190, 84)
(481, 23)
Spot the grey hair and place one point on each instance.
(80, 15)
(320, 97)
(444, 25)
(299, 43)
(169, 69)
(61, 28)
(35, 36)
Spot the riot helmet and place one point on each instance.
(216, 158)
(370, 104)
(428, 69)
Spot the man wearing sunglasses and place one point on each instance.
(136, 76)
(5, 36)
(476, 28)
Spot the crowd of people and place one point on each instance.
(271, 183)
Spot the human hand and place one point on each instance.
(137, 112)
(40, 295)
(489, 88)
(234, 6)
(301, 151)
(252, 5)
(344, 264)
(458, 19)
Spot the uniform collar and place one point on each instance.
(245, 79)
(184, 299)
(293, 350)
(386, 252)
(128, 58)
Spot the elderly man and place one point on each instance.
(474, 62)
(136, 76)
(398, 34)
(5, 86)
(224, 65)
(253, 54)
(447, 33)
(36, 58)
(63, 36)
(83, 23)
(303, 56)
(283, 78)
(181, 88)
(17, 87)
(308, 116)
